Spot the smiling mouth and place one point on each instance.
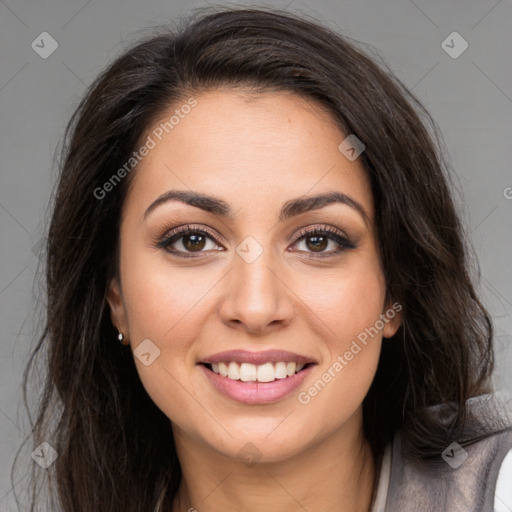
(248, 372)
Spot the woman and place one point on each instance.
(258, 288)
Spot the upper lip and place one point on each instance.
(257, 358)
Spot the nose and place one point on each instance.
(256, 299)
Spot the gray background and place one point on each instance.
(470, 97)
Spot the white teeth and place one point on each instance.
(281, 370)
(233, 371)
(223, 369)
(290, 368)
(266, 373)
(248, 372)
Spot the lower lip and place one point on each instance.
(253, 393)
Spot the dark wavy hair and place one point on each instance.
(116, 450)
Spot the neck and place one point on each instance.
(337, 473)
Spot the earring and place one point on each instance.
(120, 337)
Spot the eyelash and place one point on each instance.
(328, 231)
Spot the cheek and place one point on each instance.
(345, 302)
(348, 306)
(161, 301)
(165, 306)
(160, 306)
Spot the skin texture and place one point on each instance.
(255, 152)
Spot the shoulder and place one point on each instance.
(463, 477)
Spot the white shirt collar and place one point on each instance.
(379, 505)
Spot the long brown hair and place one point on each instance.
(115, 447)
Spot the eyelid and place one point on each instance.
(323, 228)
(333, 233)
(180, 231)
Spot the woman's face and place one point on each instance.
(264, 267)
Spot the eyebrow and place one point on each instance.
(290, 209)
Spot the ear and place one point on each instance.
(117, 308)
(392, 316)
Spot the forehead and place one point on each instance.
(246, 146)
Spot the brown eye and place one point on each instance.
(194, 242)
(317, 240)
(187, 241)
(317, 243)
